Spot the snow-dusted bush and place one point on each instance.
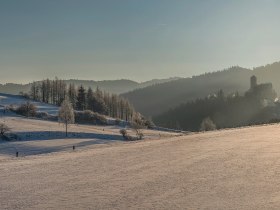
(26, 109)
(128, 137)
(90, 117)
(149, 123)
(3, 129)
(46, 116)
(123, 132)
(207, 125)
(42, 115)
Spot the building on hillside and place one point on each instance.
(253, 80)
(264, 91)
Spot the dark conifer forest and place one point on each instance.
(224, 111)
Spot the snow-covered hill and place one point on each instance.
(229, 169)
(36, 136)
(16, 100)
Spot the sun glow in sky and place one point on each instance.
(134, 39)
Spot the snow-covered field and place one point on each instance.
(7, 99)
(230, 169)
(39, 137)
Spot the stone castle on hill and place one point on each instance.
(262, 91)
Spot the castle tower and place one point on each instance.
(253, 81)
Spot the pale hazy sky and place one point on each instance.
(134, 39)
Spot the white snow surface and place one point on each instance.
(228, 169)
(40, 136)
(16, 100)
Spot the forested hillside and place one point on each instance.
(156, 99)
(220, 111)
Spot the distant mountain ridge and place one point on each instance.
(156, 99)
(112, 86)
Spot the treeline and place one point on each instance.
(224, 111)
(55, 91)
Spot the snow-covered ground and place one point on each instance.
(39, 136)
(230, 169)
(8, 99)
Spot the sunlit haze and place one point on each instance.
(134, 39)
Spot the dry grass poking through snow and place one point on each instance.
(232, 169)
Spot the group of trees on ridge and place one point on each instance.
(56, 91)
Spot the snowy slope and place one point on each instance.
(229, 169)
(8, 99)
(40, 136)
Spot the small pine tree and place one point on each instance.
(66, 114)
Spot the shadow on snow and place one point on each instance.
(10, 148)
(49, 135)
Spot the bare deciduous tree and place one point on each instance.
(137, 125)
(66, 114)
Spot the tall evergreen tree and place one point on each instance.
(81, 99)
(90, 96)
(72, 95)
